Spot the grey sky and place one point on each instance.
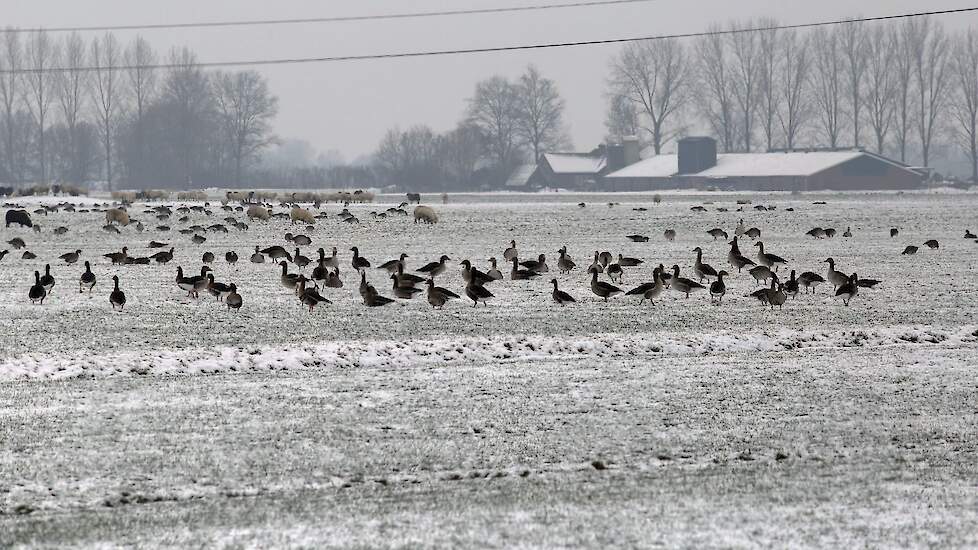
(348, 106)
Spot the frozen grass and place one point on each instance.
(523, 424)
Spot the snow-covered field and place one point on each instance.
(523, 423)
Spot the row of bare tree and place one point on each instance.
(75, 111)
(895, 88)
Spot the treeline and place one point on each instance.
(900, 89)
(75, 111)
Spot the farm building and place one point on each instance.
(577, 171)
(697, 165)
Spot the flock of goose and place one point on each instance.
(764, 268)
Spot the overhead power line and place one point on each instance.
(462, 51)
(337, 19)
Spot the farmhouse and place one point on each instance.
(697, 165)
(578, 171)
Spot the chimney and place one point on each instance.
(632, 150)
(615, 155)
(697, 154)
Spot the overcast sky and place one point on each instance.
(348, 106)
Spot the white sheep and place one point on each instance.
(425, 214)
(117, 215)
(301, 215)
(258, 212)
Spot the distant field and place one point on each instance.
(521, 424)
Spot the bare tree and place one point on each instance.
(880, 94)
(622, 117)
(461, 149)
(930, 59)
(41, 53)
(11, 95)
(744, 47)
(105, 60)
(769, 65)
(828, 84)
(142, 79)
(795, 104)
(717, 98)
(852, 42)
(246, 109)
(187, 94)
(903, 78)
(964, 103)
(71, 94)
(494, 110)
(540, 122)
(652, 75)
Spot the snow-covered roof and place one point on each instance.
(734, 165)
(521, 175)
(568, 163)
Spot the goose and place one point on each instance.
(776, 295)
(435, 268)
(47, 281)
(87, 279)
(564, 263)
(218, 290)
(406, 279)
(682, 284)
(560, 296)
(629, 262)
(257, 257)
(741, 229)
(605, 258)
(894, 232)
(718, 288)
(830, 232)
(761, 274)
(649, 291)
(848, 290)
(615, 273)
(403, 292)
(792, 286)
(471, 274)
(494, 272)
(372, 299)
(60, 230)
(3, 253)
(478, 293)
(118, 257)
(596, 265)
(817, 233)
(510, 252)
(810, 280)
(277, 253)
(17, 243)
(847, 233)
(867, 283)
(517, 274)
(233, 300)
(289, 280)
(163, 257)
(909, 251)
(207, 258)
(298, 240)
(932, 244)
(539, 265)
(438, 296)
(334, 280)
(231, 257)
(28, 255)
(754, 233)
(332, 261)
(320, 274)
(198, 239)
(716, 233)
(601, 288)
(309, 296)
(193, 285)
(837, 278)
(365, 287)
(735, 258)
(768, 260)
(666, 277)
(299, 260)
(117, 298)
(391, 265)
(37, 292)
(702, 270)
(358, 262)
(70, 257)
(669, 234)
(969, 235)
(637, 238)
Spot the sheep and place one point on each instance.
(301, 215)
(258, 212)
(414, 197)
(20, 217)
(425, 214)
(116, 215)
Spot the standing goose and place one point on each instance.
(117, 298)
(118, 257)
(193, 285)
(365, 288)
(473, 275)
(754, 233)
(830, 232)
(320, 274)
(768, 260)
(494, 272)
(810, 280)
(517, 274)
(299, 260)
(289, 280)
(615, 273)
(564, 263)
(435, 268)
(682, 284)
(477, 293)
(231, 257)
(649, 291)
(358, 262)
(605, 258)
(276, 253)
(702, 270)
(207, 258)
(70, 257)
(233, 300)
(601, 288)
(403, 292)
(334, 280)
(792, 286)
(735, 258)
(837, 278)
(718, 288)
(333, 261)
(510, 252)
(969, 235)
(391, 265)
(87, 279)
(539, 265)
(848, 290)
(438, 296)
(47, 281)
(257, 257)
(560, 296)
(218, 290)
(37, 292)
(716, 233)
(741, 228)
(761, 274)
(17, 243)
(596, 264)
(163, 257)
(776, 295)
(847, 233)
(309, 296)
(666, 277)
(894, 232)
(405, 279)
